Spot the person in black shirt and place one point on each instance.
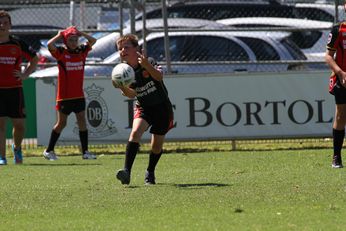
(153, 108)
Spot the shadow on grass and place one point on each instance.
(200, 185)
(62, 164)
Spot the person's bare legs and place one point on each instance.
(338, 134)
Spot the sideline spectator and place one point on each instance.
(12, 50)
(70, 95)
(336, 60)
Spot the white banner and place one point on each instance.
(244, 105)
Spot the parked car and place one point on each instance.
(236, 9)
(105, 45)
(212, 52)
(33, 34)
(310, 35)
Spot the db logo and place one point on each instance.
(99, 125)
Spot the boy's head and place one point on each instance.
(5, 14)
(70, 37)
(5, 21)
(129, 39)
(128, 47)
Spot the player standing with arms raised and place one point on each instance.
(12, 50)
(153, 108)
(70, 95)
(336, 60)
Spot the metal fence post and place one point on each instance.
(166, 39)
(72, 16)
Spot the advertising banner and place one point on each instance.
(237, 106)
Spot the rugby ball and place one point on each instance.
(123, 75)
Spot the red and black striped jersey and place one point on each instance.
(71, 71)
(11, 55)
(337, 42)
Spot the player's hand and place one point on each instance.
(342, 78)
(142, 59)
(115, 84)
(19, 75)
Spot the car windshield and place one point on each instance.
(262, 49)
(294, 50)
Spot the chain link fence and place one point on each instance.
(220, 36)
(204, 36)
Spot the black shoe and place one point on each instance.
(124, 176)
(149, 178)
(337, 161)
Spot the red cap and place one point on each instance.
(71, 31)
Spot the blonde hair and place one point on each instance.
(133, 39)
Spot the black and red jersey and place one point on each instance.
(71, 71)
(11, 55)
(337, 42)
(149, 91)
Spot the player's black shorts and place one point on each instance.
(159, 117)
(12, 103)
(339, 95)
(71, 105)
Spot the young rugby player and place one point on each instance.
(70, 95)
(336, 60)
(153, 108)
(12, 50)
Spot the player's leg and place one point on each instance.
(18, 136)
(3, 141)
(162, 122)
(338, 134)
(16, 112)
(60, 124)
(154, 157)
(139, 126)
(83, 136)
(18, 131)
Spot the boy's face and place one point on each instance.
(72, 42)
(5, 25)
(128, 52)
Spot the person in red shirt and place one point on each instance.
(70, 96)
(336, 59)
(12, 51)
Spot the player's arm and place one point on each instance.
(91, 39)
(144, 62)
(52, 41)
(126, 91)
(30, 68)
(329, 57)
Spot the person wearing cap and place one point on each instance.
(153, 109)
(12, 52)
(70, 96)
(336, 60)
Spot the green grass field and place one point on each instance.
(244, 190)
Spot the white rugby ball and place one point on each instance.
(123, 75)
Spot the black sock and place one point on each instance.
(83, 136)
(131, 152)
(338, 140)
(153, 160)
(54, 136)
